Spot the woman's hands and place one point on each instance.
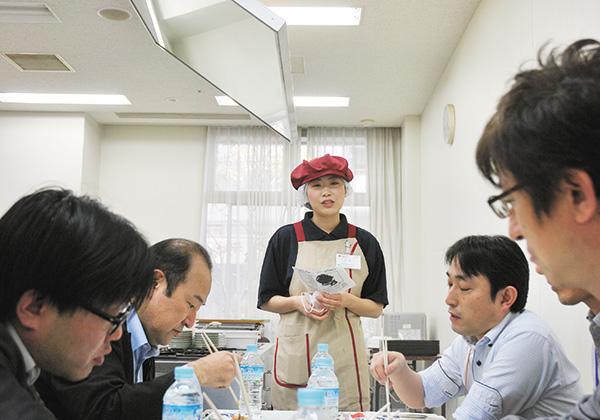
(305, 306)
(333, 301)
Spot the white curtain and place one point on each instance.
(248, 196)
(384, 159)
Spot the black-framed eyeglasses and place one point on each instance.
(503, 207)
(117, 321)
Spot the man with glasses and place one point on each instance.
(572, 297)
(501, 346)
(124, 387)
(69, 269)
(542, 148)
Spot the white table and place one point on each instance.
(288, 415)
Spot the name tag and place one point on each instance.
(348, 261)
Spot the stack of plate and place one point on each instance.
(218, 338)
(182, 341)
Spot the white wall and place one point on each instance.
(412, 298)
(37, 150)
(153, 176)
(90, 166)
(502, 35)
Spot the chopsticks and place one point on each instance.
(209, 343)
(381, 410)
(385, 366)
(215, 409)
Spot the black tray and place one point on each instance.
(415, 347)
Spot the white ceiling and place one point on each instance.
(388, 65)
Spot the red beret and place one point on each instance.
(318, 167)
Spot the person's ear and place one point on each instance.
(29, 310)
(581, 195)
(160, 281)
(508, 296)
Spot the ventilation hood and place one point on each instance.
(238, 46)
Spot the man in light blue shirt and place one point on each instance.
(142, 349)
(507, 360)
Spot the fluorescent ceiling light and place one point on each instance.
(306, 101)
(64, 98)
(321, 101)
(319, 15)
(225, 101)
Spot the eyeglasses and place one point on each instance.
(503, 207)
(117, 321)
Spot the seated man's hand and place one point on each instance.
(396, 363)
(216, 370)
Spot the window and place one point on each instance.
(249, 196)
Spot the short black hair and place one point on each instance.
(498, 258)
(174, 257)
(547, 124)
(71, 251)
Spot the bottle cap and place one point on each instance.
(184, 372)
(252, 347)
(324, 362)
(323, 347)
(310, 397)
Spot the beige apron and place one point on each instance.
(298, 335)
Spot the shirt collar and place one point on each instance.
(494, 332)
(313, 231)
(141, 348)
(32, 370)
(138, 335)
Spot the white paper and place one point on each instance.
(330, 280)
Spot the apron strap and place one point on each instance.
(351, 231)
(299, 231)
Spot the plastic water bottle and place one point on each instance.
(183, 399)
(310, 404)
(252, 373)
(324, 378)
(322, 352)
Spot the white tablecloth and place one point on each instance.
(289, 415)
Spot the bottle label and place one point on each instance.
(253, 373)
(332, 398)
(182, 412)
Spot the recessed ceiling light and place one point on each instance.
(367, 122)
(116, 15)
(322, 101)
(64, 98)
(332, 16)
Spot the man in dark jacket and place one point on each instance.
(123, 387)
(69, 270)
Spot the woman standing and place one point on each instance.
(322, 240)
